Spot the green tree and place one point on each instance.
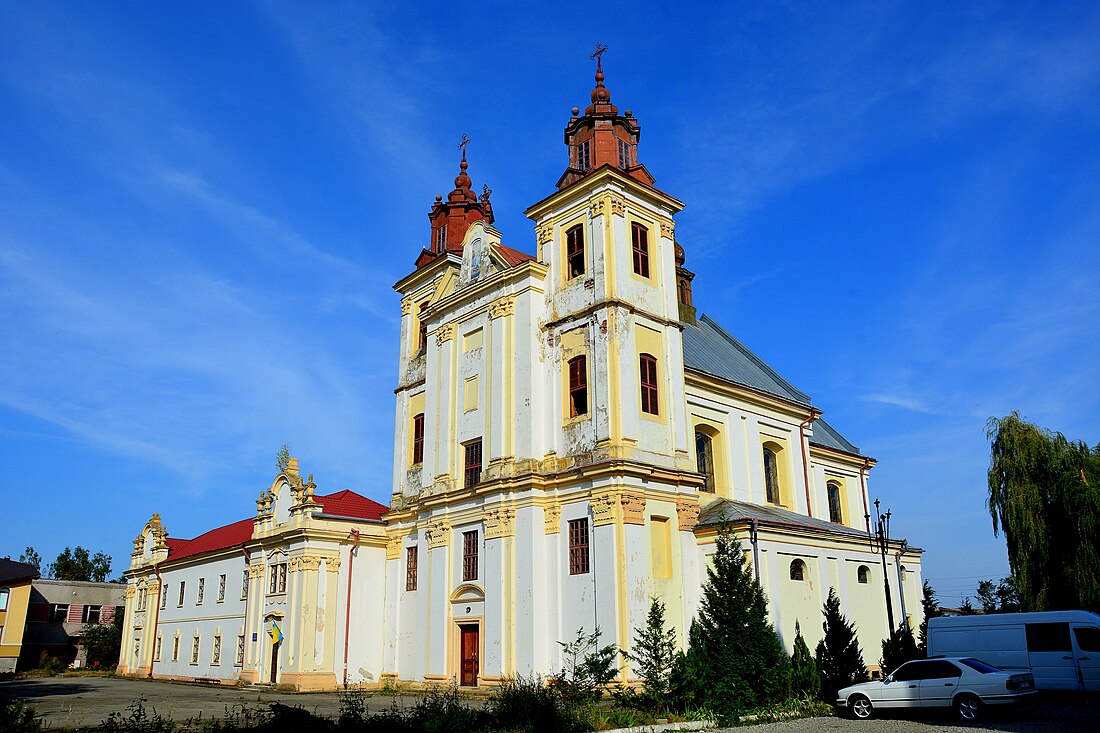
(734, 653)
(967, 608)
(1044, 495)
(79, 565)
(838, 655)
(31, 557)
(103, 642)
(653, 652)
(586, 667)
(1000, 597)
(282, 458)
(805, 679)
(931, 606)
(898, 650)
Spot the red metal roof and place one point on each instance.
(347, 503)
(512, 256)
(344, 503)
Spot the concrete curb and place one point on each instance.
(661, 727)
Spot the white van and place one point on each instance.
(1060, 648)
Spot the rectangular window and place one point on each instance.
(59, 612)
(277, 584)
(176, 649)
(578, 386)
(422, 342)
(1048, 637)
(584, 155)
(216, 652)
(282, 577)
(441, 238)
(411, 557)
(578, 546)
(240, 650)
(4, 599)
(90, 615)
(660, 543)
(156, 649)
(469, 555)
(244, 584)
(647, 368)
(137, 647)
(473, 463)
(164, 596)
(202, 590)
(624, 154)
(221, 588)
(418, 438)
(574, 251)
(183, 588)
(639, 238)
(195, 650)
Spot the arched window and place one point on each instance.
(704, 459)
(798, 570)
(578, 386)
(863, 574)
(834, 502)
(647, 369)
(771, 475)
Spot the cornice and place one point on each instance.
(605, 174)
(793, 409)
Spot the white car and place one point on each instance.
(965, 683)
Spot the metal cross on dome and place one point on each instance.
(601, 48)
(463, 144)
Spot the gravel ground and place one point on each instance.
(68, 702)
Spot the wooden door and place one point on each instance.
(275, 661)
(469, 651)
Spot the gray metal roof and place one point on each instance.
(709, 348)
(727, 510)
(826, 435)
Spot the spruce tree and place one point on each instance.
(838, 654)
(931, 606)
(653, 652)
(805, 678)
(898, 650)
(733, 648)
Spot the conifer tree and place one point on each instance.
(805, 678)
(653, 652)
(931, 606)
(898, 650)
(732, 646)
(838, 656)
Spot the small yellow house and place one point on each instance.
(15, 593)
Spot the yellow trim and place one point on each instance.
(650, 341)
(783, 469)
(660, 547)
(652, 242)
(574, 344)
(650, 195)
(610, 279)
(580, 219)
(719, 459)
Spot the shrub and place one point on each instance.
(137, 720)
(586, 668)
(526, 704)
(805, 678)
(838, 656)
(18, 717)
(653, 653)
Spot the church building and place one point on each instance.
(571, 434)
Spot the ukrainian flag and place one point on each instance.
(276, 633)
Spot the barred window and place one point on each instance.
(473, 463)
(164, 596)
(469, 555)
(574, 251)
(411, 559)
(202, 589)
(578, 386)
(183, 587)
(176, 649)
(418, 438)
(639, 237)
(441, 238)
(578, 546)
(221, 588)
(244, 584)
(647, 367)
(216, 654)
(584, 155)
(156, 649)
(195, 649)
(240, 650)
(624, 154)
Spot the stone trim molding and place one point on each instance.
(501, 307)
(499, 522)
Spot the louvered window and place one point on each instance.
(584, 155)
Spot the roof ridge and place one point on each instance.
(755, 359)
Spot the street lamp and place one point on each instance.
(878, 537)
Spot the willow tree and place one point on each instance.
(1044, 495)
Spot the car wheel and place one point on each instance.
(969, 707)
(860, 706)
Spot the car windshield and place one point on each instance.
(980, 666)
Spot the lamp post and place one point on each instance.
(878, 537)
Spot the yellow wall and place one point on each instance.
(14, 619)
(573, 343)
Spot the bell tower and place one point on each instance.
(451, 218)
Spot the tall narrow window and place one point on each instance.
(221, 588)
(4, 599)
(578, 386)
(216, 652)
(411, 558)
(771, 476)
(176, 649)
(833, 489)
(156, 649)
(578, 546)
(863, 574)
(624, 154)
(164, 596)
(639, 239)
(240, 650)
(574, 251)
(473, 463)
(441, 238)
(422, 339)
(244, 584)
(704, 459)
(195, 649)
(647, 369)
(469, 555)
(584, 155)
(202, 591)
(418, 438)
(183, 587)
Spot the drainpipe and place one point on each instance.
(156, 617)
(247, 600)
(755, 548)
(863, 485)
(354, 535)
(814, 414)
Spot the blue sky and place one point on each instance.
(203, 207)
